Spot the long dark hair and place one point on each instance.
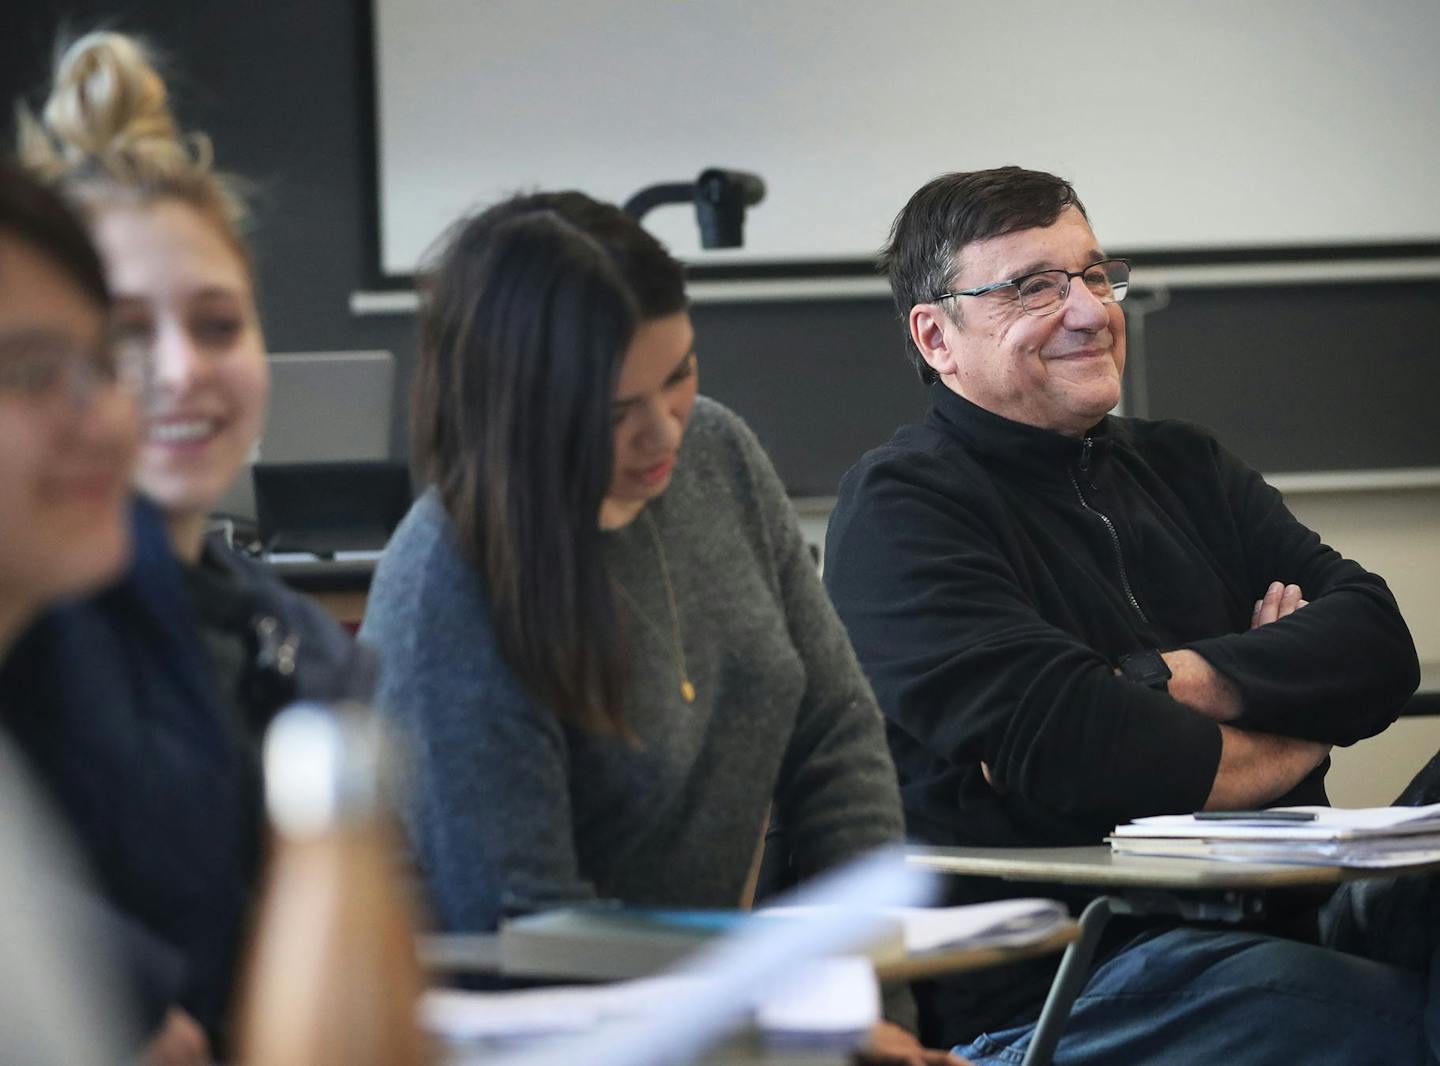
(526, 316)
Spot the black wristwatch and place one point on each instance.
(1146, 668)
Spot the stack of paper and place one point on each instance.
(1371, 837)
(926, 930)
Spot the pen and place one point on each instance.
(1254, 816)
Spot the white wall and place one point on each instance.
(1396, 534)
(1280, 122)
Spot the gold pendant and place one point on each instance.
(687, 691)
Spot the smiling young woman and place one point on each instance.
(169, 229)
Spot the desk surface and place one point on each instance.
(960, 959)
(1097, 865)
(745, 1048)
(480, 953)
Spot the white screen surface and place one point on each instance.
(1184, 125)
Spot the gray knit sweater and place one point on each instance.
(508, 808)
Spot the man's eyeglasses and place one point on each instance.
(40, 368)
(1042, 292)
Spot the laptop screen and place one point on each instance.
(326, 508)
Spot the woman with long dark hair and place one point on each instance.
(600, 626)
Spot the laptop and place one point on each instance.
(330, 509)
(324, 407)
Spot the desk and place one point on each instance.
(746, 1048)
(480, 953)
(1097, 865)
(341, 587)
(1193, 889)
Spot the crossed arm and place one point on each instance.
(1254, 767)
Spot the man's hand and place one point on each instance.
(889, 1045)
(1256, 768)
(1279, 600)
(178, 1042)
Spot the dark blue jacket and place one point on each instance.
(115, 702)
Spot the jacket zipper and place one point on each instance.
(1085, 448)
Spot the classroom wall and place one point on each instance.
(1396, 534)
(280, 86)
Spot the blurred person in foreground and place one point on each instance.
(142, 707)
(69, 425)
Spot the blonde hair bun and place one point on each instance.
(107, 131)
(109, 111)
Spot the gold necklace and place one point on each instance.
(687, 690)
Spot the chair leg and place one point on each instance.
(1069, 980)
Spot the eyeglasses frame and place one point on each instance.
(1070, 276)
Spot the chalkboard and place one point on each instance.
(1322, 377)
(819, 381)
(1304, 378)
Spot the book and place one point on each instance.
(615, 943)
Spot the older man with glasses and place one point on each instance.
(1073, 619)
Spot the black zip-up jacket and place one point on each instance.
(991, 575)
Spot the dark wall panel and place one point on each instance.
(819, 381)
(278, 86)
(1314, 377)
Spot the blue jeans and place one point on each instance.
(1230, 997)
